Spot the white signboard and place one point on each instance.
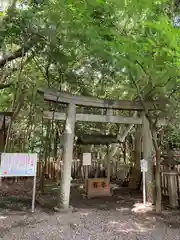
(144, 165)
(18, 164)
(86, 159)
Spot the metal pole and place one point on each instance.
(34, 194)
(144, 187)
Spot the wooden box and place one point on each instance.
(98, 187)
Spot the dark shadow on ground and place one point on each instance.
(122, 200)
(15, 203)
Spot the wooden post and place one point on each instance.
(172, 189)
(109, 150)
(86, 149)
(67, 156)
(147, 155)
(144, 187)
(136, 172)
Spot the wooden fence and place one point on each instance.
(164, 181)
(51, 169)
(51, 172)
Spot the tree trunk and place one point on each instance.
(158, 196)
(46, 149)
(158, 190)
(157, 174)
(147, 155)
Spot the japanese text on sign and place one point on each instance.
(18, 164)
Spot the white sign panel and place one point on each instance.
(18, 164)
(144, 165)
(86, 159)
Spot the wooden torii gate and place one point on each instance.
(71, 117)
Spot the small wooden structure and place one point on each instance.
(96, 187)
(172, 178)
(71, 117)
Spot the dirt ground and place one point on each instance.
(113, 218)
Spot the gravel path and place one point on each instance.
(87, 224)
(111, 218)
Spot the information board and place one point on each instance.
(18, 164)
(86, 159)
(144, 165)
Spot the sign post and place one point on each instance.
(144, 169)
(86, 163)
(34, 194)
(20, 165)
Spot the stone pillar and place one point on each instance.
(138, 147)
(147, 146)
(67, 156)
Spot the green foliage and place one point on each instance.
(105, 48)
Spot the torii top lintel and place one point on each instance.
(64, 97)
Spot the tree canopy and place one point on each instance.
(105, 48)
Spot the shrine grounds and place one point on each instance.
(119, 217)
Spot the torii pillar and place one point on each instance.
(147, 147)
(65, 183)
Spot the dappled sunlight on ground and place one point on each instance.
(120, 217)
(122, 209)
(142, 208)
(128, 227)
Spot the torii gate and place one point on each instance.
(71, 117)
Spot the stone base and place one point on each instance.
(89, 196)
(62, 210)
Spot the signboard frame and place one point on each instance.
(21, 165)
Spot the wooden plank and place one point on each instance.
(99, 118)
(62, 97)
(94, 118)
(96, 139)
